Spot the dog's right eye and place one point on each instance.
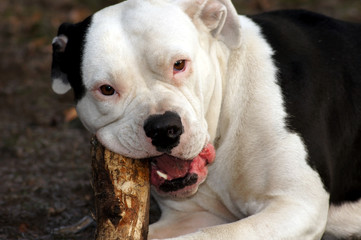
(179, 65)
(107, 90)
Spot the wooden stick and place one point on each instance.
(122, 192)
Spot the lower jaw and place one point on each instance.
(185, 192)
(179, 183)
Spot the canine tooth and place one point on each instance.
(162, 175)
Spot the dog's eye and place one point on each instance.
(179, 65)
(107, 90)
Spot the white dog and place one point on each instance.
(252, 123)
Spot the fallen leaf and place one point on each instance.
(70, 114)
(23, 227)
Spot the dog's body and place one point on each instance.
(277, 94)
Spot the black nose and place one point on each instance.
(164, 130)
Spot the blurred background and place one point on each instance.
(44, 150)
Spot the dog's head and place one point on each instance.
(144, 73)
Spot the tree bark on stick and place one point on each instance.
(122, 192)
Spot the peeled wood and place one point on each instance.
(122, 192)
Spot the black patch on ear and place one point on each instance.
(69, 61)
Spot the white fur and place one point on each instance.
(140, 68)
(59, 86)
(260, 185)
(260, 174)
(345, 220)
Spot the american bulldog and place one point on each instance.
(251, 123)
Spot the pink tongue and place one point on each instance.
(172, 166)
(176, 168)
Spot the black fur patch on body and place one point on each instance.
(319, 62)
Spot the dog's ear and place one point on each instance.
(60, 83)
(59, 76)
(219, 16)
(68, 47)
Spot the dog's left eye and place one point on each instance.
(179, 65)
(107, 90)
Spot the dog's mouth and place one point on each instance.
(178, 177)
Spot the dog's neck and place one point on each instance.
(213, 107)
(254, 74)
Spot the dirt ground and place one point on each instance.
(44, 154)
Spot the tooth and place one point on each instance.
(162, 175)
